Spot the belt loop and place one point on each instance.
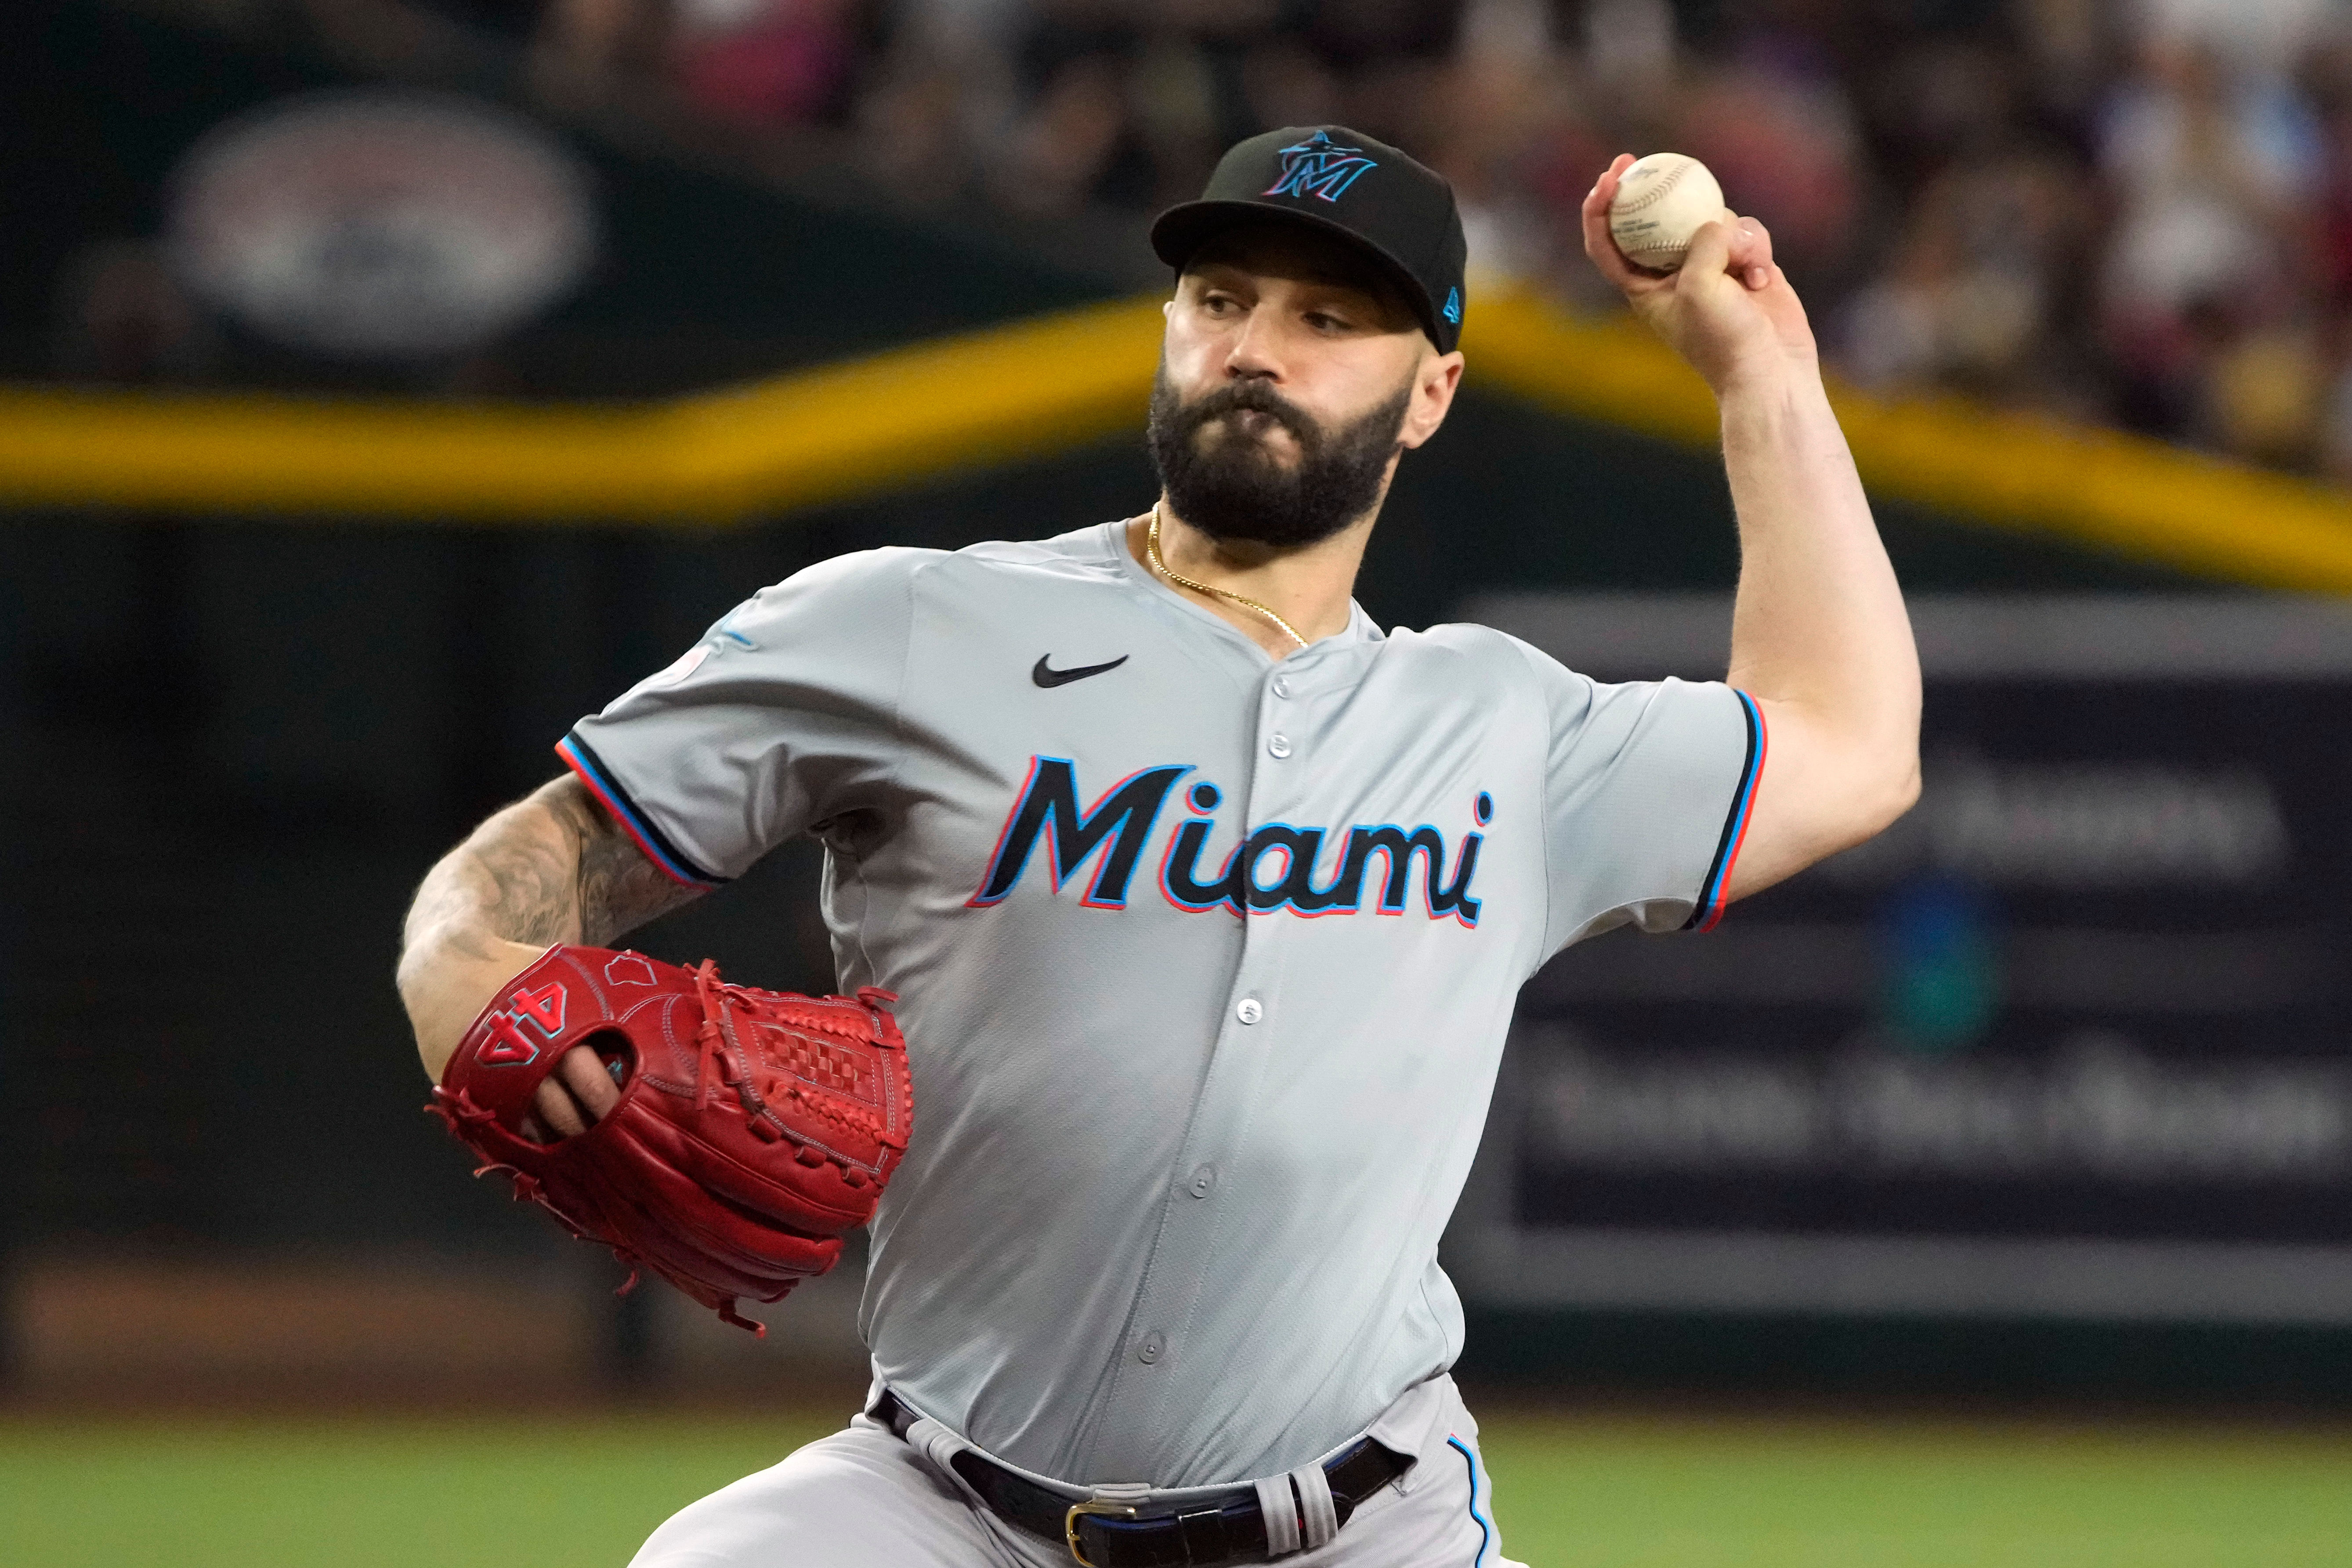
(1279, 1504)
(1320, 1517)
(939, 1446)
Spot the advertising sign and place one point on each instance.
(375, 224)
(2072, 1040)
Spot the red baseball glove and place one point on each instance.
(753, 1128)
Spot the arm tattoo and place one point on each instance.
(618, 887)
(551, 868)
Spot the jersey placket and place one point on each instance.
(1203, 1211)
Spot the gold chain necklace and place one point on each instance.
(1160, 565)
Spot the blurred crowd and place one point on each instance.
(2134, 211)
(2131, 211)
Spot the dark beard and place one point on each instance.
(1236, 489)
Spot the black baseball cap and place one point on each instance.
(1398, 211)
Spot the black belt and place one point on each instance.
(1101, 1533)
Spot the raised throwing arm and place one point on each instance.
(553, 867)
(1820, 637)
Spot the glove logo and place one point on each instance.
(629, 969)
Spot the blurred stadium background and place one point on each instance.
(388, 382)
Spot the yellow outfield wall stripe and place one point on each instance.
(1036, 387)
(819, 435)
(2122, 494)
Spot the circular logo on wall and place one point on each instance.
(381, 225)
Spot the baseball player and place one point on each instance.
(1206, 900)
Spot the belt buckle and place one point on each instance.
(1092, 1505)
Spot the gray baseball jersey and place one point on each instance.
(1206, 961)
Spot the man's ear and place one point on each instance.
(1435, 381)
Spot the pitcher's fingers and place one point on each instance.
(1597, 243)
(583, 1073)
(1710, 248)
(557, 1112)
(1751, 252)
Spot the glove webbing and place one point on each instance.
(721, 1045)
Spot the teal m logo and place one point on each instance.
(1319, 167)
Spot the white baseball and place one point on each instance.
(1662, 200)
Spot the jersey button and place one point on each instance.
(1250, 1010)
(1149, 1350)
(1282, 685)
(1279, 746)
(1203, 1181)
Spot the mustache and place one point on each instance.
(1253, 397)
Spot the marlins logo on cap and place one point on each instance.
(1319, 167)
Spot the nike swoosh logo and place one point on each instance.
(1048, 677)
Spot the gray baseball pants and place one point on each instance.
(864, 1498)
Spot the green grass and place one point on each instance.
(1761, 1494)
(1620, 1493)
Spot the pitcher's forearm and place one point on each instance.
(516, 878)
(1819, 636)
(445, 988)
(1819, 628)
(551, 867)
(490, 907)
(1819, 620)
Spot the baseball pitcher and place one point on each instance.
(1201, 900)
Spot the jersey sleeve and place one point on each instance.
(784, 714)
(1648, 791)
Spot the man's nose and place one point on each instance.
(1254, 354)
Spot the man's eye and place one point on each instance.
(1217, 304)
(1323, 322)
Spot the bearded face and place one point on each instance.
(1226, 477)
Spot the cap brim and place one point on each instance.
(1180, 231)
